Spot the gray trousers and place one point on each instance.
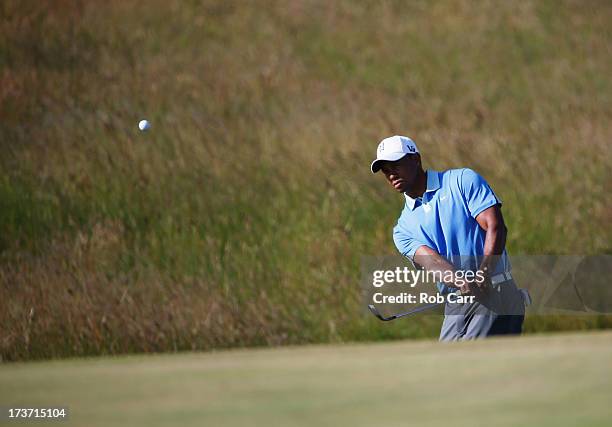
(500, 312)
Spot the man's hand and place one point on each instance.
(476, 287)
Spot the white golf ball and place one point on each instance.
(144, 125)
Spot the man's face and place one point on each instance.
(402, 173)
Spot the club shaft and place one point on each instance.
(417, 310)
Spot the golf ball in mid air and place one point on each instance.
(144, 125)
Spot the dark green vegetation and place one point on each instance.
(241, 217)
(554, 380)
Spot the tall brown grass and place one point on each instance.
(242, 216)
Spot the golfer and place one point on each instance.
(452, 222)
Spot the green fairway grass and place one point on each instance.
(555, 380)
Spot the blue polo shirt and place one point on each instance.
(445, 219)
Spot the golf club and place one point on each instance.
(376, 313)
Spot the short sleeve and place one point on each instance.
(405, 243)
(477, 193)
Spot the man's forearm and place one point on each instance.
(495, 242)
(431, 260)
(491, 221)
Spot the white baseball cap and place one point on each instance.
(392, 149)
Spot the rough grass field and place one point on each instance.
(555, 380)
(241, 218)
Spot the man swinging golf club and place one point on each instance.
(452, 222)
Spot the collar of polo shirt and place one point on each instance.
(433, 183)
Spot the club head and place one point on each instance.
(376, 313)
